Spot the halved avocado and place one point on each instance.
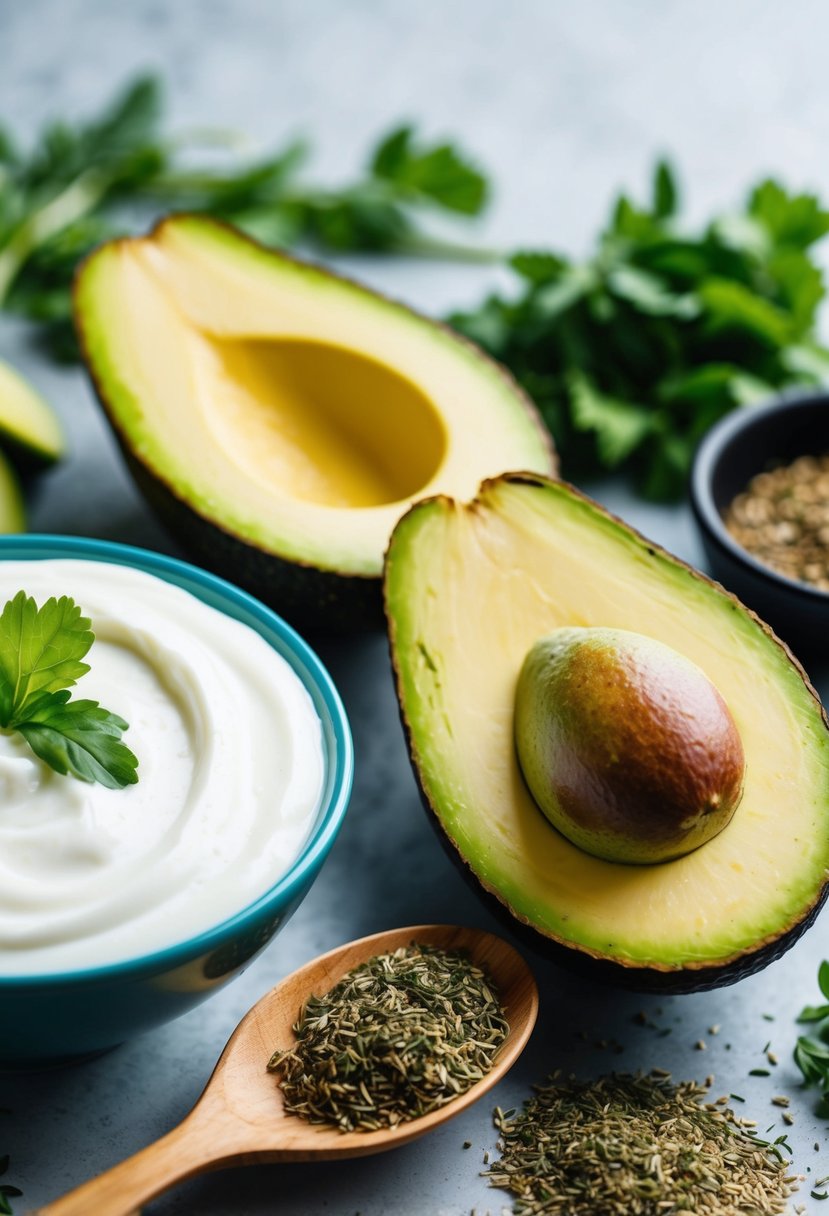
(282, 419)
(28, 425)
(469, 588)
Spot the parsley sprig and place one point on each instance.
(633, 353)
(7, 1192)
(41, 653)
(71, 190)
(811, 1053)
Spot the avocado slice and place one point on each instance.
(12, 509)
(28, 424)
(469, 589)
(281, 419)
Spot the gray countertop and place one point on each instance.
(563, 104)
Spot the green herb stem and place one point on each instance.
(78, 199)
(421, 246)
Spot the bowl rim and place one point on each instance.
(308, 668)
(706, 459)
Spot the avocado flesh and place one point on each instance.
(26, 420)
(468, 590)
(12, 509)
(293, 409)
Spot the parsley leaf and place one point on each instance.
(811, 1053)
(81, 738)
(7, 1192)
(40, 651)
(439, 173)
(40, 658)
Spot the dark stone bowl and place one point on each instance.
(742, 444)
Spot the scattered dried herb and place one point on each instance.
(397, 1037)
(628, 1145)
(782, 519)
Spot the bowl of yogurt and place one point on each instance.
(121, 909)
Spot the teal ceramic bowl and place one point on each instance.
(46, 1019)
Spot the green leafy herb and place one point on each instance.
(41, 653)
(7, 1192)
(71, 191)
(634, 353)
(630, 355)
(811, 1053)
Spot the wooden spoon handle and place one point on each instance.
(182, 1153)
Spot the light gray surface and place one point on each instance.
(562, 103)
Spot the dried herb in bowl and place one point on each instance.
(782, 519)
(399, 1036)
(635, 1145)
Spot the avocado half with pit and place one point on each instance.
(469, 589)
(280, 418)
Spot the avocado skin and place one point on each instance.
(572, 956)
(626, 746)
(310, 599)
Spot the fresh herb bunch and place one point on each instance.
(633, 354)
(7, 1192)
(40, 659)
(400, 1035)
(811, 1053)
(72, 189)
(630, 355)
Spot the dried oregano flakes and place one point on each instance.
(635, 1145)
(399, 1036)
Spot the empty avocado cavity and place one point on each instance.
(320, 421)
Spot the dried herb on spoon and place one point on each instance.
(399, 1036)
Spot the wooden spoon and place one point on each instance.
(240, 1120)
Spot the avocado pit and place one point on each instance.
(626, 746)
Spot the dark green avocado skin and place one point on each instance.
(310, 599)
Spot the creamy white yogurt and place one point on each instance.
(230, 778)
